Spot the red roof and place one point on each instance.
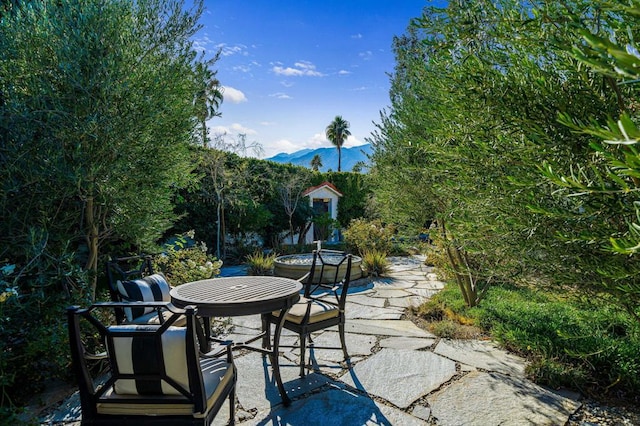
(325, 183)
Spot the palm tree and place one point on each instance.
(337, 133)
(316, 162)
(208, 99)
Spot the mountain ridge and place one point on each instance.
(329, 157)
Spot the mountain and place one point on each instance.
(329, 156)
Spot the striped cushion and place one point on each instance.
(139, 355)
(216, 374)
(153, 288)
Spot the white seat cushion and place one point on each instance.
(319, 311)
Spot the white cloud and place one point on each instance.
(300, 68)
(287, 83)
(238, 49)
(242, 68)
(232, 95)
(368, 55)
(280, 95)
(344, 72)
(201, 44)
(267, 123)
(357, 35)
(234, 129)
(353, 141)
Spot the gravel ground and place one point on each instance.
(594, 413)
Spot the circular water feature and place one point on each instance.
(297, 265)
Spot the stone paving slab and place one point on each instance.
(422, 292)
(391, 292)
(482, 354)
(406, 343)
(364, 300)
(431, 285)
(256, 388)
(494, 399)
(405, 302)
(335, 407)
(400, 376)
(392, 283)
(371, 312)
(386, 328)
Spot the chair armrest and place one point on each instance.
(303, 278)
(221, 349)
(321, 300)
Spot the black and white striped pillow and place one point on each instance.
(153, 288)
(139, 355)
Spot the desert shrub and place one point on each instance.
(374, 263)
(185, 261)
(362, 235)
(260, 263)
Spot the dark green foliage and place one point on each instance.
(33, 334)
(251, 200)
(185, 260)
(260, 263)
(363, 235)
(96, 117)
(476, 96)
(96, 120)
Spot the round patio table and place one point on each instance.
(239, 296)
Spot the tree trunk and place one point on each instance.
(464, 277)
(218, 210)
(92, 237)
(291, 228)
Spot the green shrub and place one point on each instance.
(586, 344)
(374, 263)
(260, 263)
(184, 262)
(362, 235)
(34, 344)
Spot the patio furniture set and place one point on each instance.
(164, 364)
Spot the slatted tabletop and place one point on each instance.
(237, 296)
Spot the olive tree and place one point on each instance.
(97, 111)
(475, 98)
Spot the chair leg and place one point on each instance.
(266, 329)
(303, 346)
(343, 341)
(232, 407)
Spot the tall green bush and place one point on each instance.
(363, 235)
(33, 335)
(475, 97)
(96, 116)
(186, 260)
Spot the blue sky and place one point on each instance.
(290, 66)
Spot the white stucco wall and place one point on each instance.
(323, 193)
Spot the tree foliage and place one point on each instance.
(96, 116)
(476, 95)
(337, 132)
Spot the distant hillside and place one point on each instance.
(329, 156)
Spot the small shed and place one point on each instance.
(323, 198)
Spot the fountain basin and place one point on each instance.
(295, 266)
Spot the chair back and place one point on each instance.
(126, 268)
(330, 271)
(150, 364)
